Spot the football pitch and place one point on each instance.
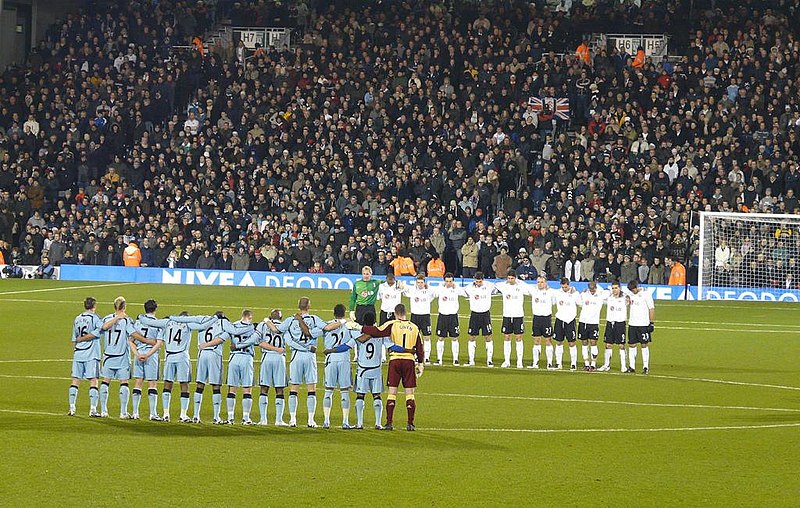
(717, 421)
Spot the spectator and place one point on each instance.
(469, 257)
(44, 270)
(502, 263)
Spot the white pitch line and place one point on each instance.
(611, 402)
(586, 431)
(26, 412)
(68, 288)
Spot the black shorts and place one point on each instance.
(480, 323)
(515, 325)
(423, 322)
(639, 335)
(565, 331)
(385, 316)
(588, 332)
(361, 310)
(615, 333)
(447, 325)
(542, 326)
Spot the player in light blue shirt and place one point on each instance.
(369, 378)
(177, 337)
(300, 333)
(273, 368)
(240, 363)
(337, 369)
(87, 332)
(119, 342)
(146, 364)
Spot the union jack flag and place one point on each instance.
(550, 106)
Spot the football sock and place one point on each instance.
(411, 408)
(646, 357)
(377, 405)
(559, 354)
(632, 357)
(216, 401)
(137, 400)
(537, 353)
(573, 355)
(507, 351)
(166, 397)
(585, 354)
(124, 396)
(327, 402)
(231, 405)
(490, 351)
(471, 347)
(520, 346)
(360, 412)
(198, 402)
(104, 397)
(73, 396)
(263, 404)
(311, 404)
(247, 405)
(184, 404)
(391, 400)
(292, 405)
(93, 396)
(622, 363)
(152, 400)
(279, 405)
(455, 347)
(594, 352)
(345, 408)
(426, 347)
(607, 356)
(548, 352)
(439, 350)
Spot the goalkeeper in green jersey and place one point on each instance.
(362, 299)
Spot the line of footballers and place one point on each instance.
(630, 319)
(121, 336)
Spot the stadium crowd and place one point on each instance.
(398, 135)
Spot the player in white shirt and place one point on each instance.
(421, 296)
(390, 293)
(640, 325)
(592, 301)
(513, 292)
(616, 316)
(447, 322)
(567, 303)
(480, 319)
(542, 301)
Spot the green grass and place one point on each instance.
(736, 357)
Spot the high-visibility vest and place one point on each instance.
(403, 265)
(583, 53)
(132, 256)
(197, 41)
(677, 276)
(638, 62)
(436, 268)
(2, 258)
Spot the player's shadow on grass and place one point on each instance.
(398, 438)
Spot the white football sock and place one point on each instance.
(608, 352)
(573, 355)
(548, 352)
(646, 357)
(559, 354)
(585, 354)
(426, 348)
(632, 357)
(537, 352)
(520, 352)
(490, 351)
(471, 347)
(594, 351)
(507, 351)
(439, 350)
(455, 347)
(623, 365)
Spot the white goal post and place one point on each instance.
(749, 256)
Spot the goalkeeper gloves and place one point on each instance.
(352, 315)
(420, 369)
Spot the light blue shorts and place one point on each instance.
(240, 371)
(90, 369)
(209, 368)
(116, 367)
(147, 370)
(273, 373)
(178, 371)
(303, 369)
(338, 375)
(369, 380)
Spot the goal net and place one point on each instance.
(749, 256)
